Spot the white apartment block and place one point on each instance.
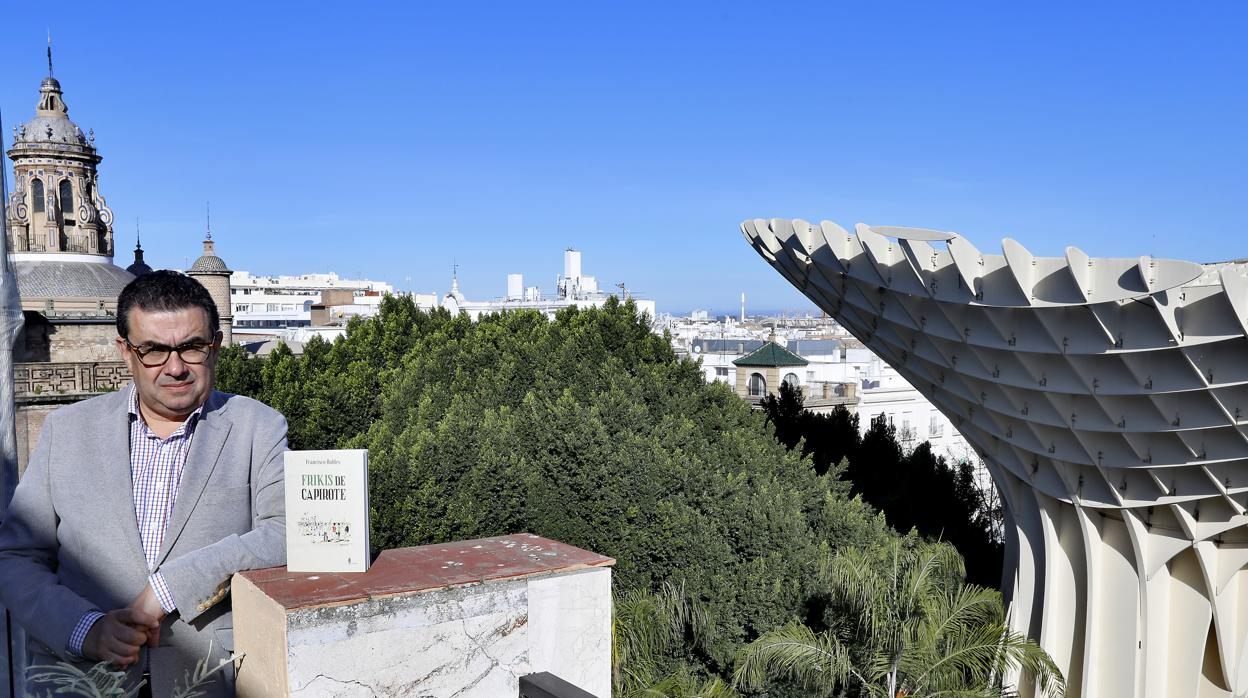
(880, 390)
(263, 305)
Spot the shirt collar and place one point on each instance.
(187, 426)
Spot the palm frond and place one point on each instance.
(684, 685)
(912, 625)
(816, 661)
(984, 652)
(100, 681)
(968, 606)
(647, 627)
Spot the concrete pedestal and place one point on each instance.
(461, 619)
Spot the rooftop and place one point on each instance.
(771, 354)
(42, 275)
(209, 263)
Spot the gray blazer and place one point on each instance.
(70, 542)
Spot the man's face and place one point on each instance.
(174, 390)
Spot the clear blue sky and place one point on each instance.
(390, 140)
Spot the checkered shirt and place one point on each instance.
(156, 473)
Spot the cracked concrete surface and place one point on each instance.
(464, 642)
(460, 642)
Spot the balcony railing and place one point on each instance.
(829, 390)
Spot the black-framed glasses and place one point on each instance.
(195, 351)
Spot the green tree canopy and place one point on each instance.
(917, 490)
(585, 428)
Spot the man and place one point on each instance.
(137, 506)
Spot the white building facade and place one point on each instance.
(281, 307)
(262, 305)
(572, 288)
(879, 389)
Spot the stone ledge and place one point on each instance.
(466, 619)
(54, 381)
(427, 568)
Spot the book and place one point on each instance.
(327, 511)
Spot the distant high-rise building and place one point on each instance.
(572, 289)
(571, 263)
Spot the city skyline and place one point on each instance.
(396, 141)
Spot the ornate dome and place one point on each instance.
(51, 124)
(42, 278)
(209, 263)
(49, 129)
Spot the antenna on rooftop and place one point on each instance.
(137, 241)
(208, 216)
(49, 52)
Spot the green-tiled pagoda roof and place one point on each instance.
(770, 354)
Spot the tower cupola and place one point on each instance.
(55, 206)
(211, 271)
(59, 228)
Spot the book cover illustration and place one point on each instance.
(327, 511)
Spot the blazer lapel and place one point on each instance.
(210, 435)
(118, 481)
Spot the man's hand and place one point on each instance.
(148, 605)
(117, 637)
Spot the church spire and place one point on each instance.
(209, 246)
(139, 267)
(51, 102)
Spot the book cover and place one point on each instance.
(327, 511)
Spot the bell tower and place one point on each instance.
(60, 243)
(212, 272)
(55, 206)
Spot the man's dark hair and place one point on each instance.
(163, 291)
